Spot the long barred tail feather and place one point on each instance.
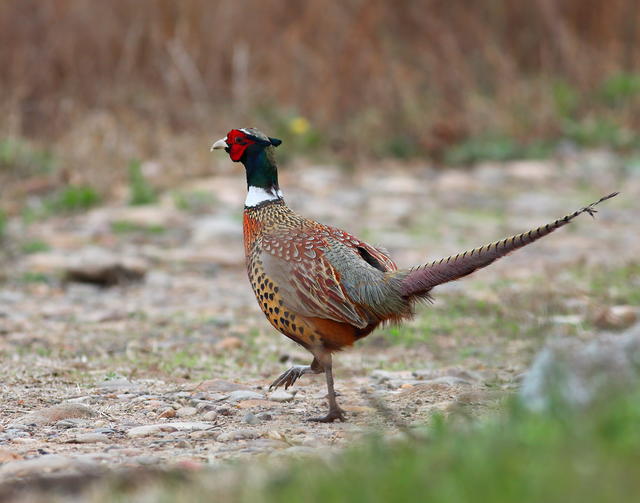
(419, 281)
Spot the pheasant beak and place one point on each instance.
(220, 144)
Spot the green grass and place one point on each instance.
(34, 246)
(35, 277)
(619, 89)
(140, 190)
(72, 199)
(126, 227)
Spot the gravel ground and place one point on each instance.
(168, 362)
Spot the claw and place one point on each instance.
(333, 414)
(289, 377)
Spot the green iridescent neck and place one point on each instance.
(262, 169)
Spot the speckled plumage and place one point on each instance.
(324, 288)
(311, 281)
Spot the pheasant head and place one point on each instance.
(255, 151)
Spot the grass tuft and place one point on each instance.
(141, 192)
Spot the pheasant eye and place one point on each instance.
(239, 140)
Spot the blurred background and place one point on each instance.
(86, 87)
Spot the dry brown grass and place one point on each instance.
(428, 73)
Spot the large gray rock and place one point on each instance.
(578, 374)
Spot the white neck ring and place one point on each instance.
(258, 195)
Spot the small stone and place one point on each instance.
(17, 426)
(88, 438)
(224, 411)
(156, 429)
(238, 395)
(281, 396)
(104, 431)
(146, 460)
(167, 412)
(211, 415)
(206, 405)
(244, 434)
(186, 412)
(264, 416)
(69, 423)
(250, 418)
(120, 383)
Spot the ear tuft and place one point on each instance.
(275, 141)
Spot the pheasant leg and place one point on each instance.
(335, 412)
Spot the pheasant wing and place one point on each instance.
(307, 280)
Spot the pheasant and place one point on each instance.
(324, 288)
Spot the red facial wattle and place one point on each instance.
(238, 142)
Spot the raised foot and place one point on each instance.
(289, 377)
(333, 414)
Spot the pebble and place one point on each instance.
(89, 438)
(167, 412)
(104, 431)
(281, 396)
(17, 426)
(120, 383)
(243, 434)
(155, 429)
(211, 415)
(186, 412)
(146, 460)
(206, 405)
(69, 423)
(250, 418)
(264, 416)
(241, 394)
